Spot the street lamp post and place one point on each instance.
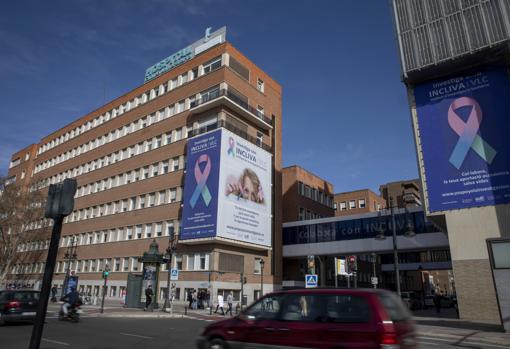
(261, 278)
(105, 277)
(69, 257)
(170, 251)
(409, 233)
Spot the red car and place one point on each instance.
(317, 318)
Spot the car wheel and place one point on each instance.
(2, 321)
(217, 343)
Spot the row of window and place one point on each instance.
(315, 194)
(120, 155)
(149, 171)
(133, 232)
(33, 246)
(137, 101)
(114, 135)
(361, 203)
(163, 197)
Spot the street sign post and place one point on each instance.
(311, 280)
(374, 280)
(60, 203)
(174, 275)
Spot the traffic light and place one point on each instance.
(352, 263)
(105, 274)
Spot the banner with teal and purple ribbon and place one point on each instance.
(463, 124)
(200, 199)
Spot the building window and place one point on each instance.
(301, 214)
(260, 85)
(301, 188)
(343, 206)
(191, 263)
(352, 204)
(260, 139)
(257, 268)
(212, 65)
(361, 203)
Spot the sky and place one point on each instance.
(345, 112)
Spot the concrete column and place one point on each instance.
(468, 230)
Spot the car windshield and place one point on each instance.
(394, 307)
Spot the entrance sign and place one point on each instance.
(463, 127)
(311, 280)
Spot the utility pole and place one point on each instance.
(374, 258)
(395, 250)
(336, 272)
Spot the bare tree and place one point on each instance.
(22, 226)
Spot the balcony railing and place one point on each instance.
(233, 129)
(234, 98)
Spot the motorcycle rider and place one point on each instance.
(70, 300)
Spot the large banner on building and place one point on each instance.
(244, 204)
(463, 124)
(200, 200)
(227, 189)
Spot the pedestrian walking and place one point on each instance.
(230, 301)
(220, 305)
(190, 298)
(194, 300)
(208, 298)
(148, 297)
(54, 293)
(437, 302)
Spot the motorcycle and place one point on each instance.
(73, 314)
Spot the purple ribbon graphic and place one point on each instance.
(201, 179)
(231, 145)
(468, 132)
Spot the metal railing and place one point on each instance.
(234, 98)
(233, 129)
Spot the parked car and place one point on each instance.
(18, 305)
(317, 318)
(411, 300)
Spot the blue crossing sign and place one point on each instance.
(174, 274)
(311, 280)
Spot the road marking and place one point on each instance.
(56, 342)
(134, 335)
(459, 340)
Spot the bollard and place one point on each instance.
(185, 310)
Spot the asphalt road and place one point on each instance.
(110, 333)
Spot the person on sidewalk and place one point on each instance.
(437, 302)
(194, 300)
(220, 305)
(190, 298)
(230, 301)
(54, 293)
(208, 298)
(148, 297)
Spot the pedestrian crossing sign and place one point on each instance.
(174, 274)
(311, 280)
